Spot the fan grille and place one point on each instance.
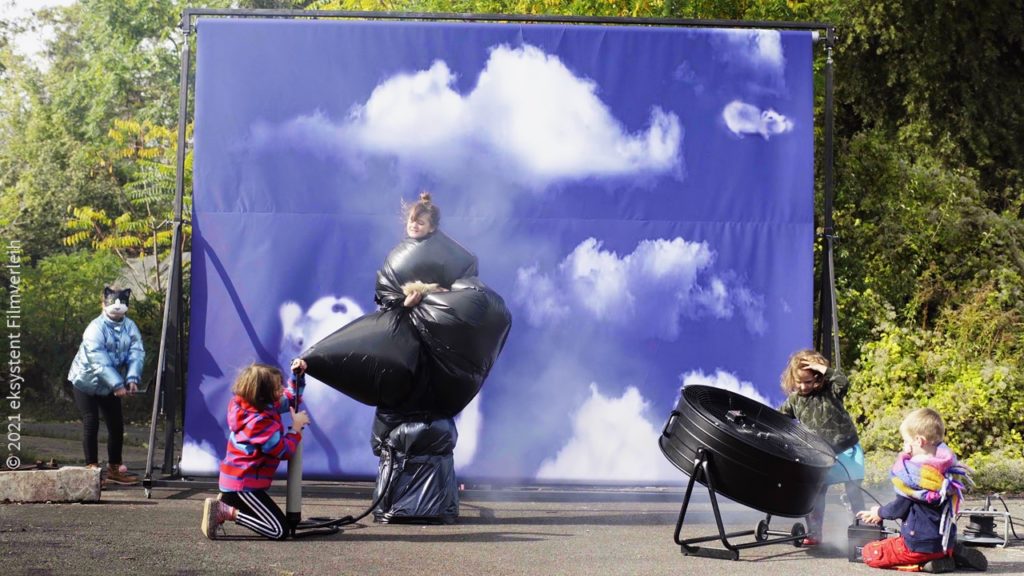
(758, 425)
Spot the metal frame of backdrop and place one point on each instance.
(169, 391)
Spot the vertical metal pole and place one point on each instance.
(830, 192)
(171, 370)
(828, 325)
(170, 334)
(175, 384)
(293, 504)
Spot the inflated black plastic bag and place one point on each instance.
(373, 359)
(436, 259)
(423, 487)
(463, 331)
(380, 361)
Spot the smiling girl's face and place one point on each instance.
(417, 228)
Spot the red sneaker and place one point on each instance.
(810, 541)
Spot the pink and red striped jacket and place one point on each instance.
(258, 441)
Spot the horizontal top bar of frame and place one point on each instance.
(190, 13)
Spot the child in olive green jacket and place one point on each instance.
(815, 398)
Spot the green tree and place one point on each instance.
(938, 78)
(914, 230)
(109, 59)
(142, 235)
(929, 185)
(708, 9)
(43, 166)
(928, 211)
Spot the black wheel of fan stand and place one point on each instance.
(761, 533)
(798, 533)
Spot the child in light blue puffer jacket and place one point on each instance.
(108, 367)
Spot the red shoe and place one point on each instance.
(810, 541)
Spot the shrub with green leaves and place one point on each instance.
(1001, 471)
(980, 396)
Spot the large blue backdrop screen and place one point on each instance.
(642, 197)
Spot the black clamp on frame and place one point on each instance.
(703, 467)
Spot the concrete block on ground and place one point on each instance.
(68, 484)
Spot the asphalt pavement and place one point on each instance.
(513, 530)
(528, 531)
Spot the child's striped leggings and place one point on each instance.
(257, 512)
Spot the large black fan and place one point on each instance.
(762, 458)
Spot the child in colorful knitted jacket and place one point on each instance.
(257, 444)
(815, 398)
(929, 486)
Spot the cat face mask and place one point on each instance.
(115, 302)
